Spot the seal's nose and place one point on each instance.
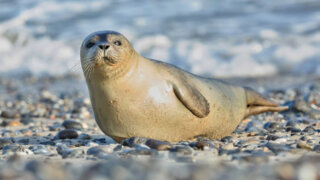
(104, 46)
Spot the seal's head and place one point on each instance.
(105, 51)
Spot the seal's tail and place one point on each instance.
(257, 104)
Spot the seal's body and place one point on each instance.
(135, 96)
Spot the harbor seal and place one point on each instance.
(135, 96)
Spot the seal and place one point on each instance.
(135, 96)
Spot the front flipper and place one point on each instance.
(192, 99)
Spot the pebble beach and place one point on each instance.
(47, 127)
(48, 131)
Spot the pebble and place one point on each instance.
(118, 148)
(276, 147)
(227, 139)
(203, 144)
(40, 149)
(84, 136)
(272, 137)
(66, 152)
(99, 150)
(27, 121)
(293, 130)
(272, 126)
(14, 148)
(303, 145)
(316, 148)
(71, 124)
(55, 127)
(291, 123)
(24, 141)
(256, 158)
(158, 145)
(14, 123)
(67, 134)
(142, 152)
(229, 146)
(133, 141)
(100, 141)
(182, 150)
(301, 105)
(309, 130)
(75, 153)
(4, 142)
(9, 114)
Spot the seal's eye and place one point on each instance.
(89, 44)
(117, 43)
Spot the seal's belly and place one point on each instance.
(153, 112)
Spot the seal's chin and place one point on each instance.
(109, 61)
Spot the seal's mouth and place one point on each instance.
(109, 60)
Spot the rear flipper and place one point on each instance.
(257, 104)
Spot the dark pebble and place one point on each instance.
(316, 148)
(180, 149)
(63, 150)
(55, 127)
(272, 126)
(118, 148)
(133, 141)
(252, 158)
(9, 114)
(184, 159)
(272, 137)
(276, 148)
(293, 130)
(100, 140)
(81, 143)
(96, 151)
(4, 142)
(23, 141)
(75, 153)
(142, 152)
(309, 130)
(227, 139)
(71, 124)
(12, 148)
(26, 121)
(34, 166)
(67, 134)
(158, 145)
(202, 144)
(51, 143)
(291, 123)
(303, 138)
(255, 131)
(40, 149)
(84, 136)
(229, 151)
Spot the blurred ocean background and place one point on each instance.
(229, 38)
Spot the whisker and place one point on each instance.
(75, 67)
